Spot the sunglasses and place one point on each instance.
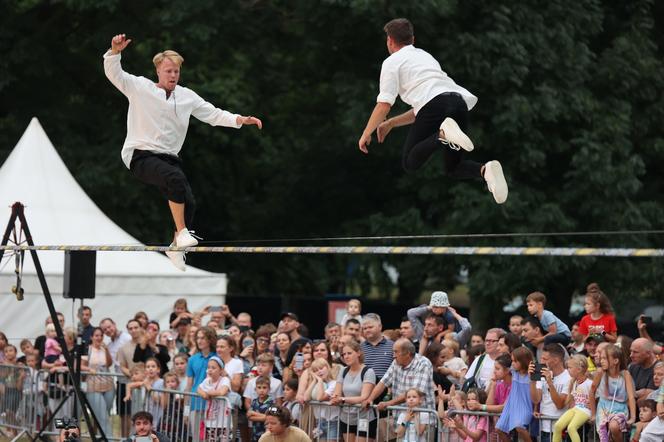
(273, 411)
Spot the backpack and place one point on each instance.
(347, 369)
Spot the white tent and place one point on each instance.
(58, 211)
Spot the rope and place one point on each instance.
(367, 250)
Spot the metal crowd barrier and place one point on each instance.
(31, 398)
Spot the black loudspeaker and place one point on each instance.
(80, 274)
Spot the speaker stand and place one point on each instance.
(74, 373)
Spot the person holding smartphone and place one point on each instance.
(143, 431)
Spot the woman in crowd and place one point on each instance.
(658, 377)
(142, 319)
(248, 352)
(293, 367)
(283, 344)
(320, 349)
(167, 339)
(233, 366)
(354, 385)
(191, 340)
(434, 353)
(3, 344)
(508, 343)
(100, 387)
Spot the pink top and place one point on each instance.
(475, 423)
(501, 392)
(51, 348)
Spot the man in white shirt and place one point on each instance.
(439, 114)
(551, 391)
(487, 360)
(157, 123)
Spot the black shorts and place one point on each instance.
(344, 428)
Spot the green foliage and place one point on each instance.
(570, 102)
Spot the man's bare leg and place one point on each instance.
(177, 210)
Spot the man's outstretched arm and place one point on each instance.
(377, 116)
(113, 69)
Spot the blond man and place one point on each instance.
(157, 124)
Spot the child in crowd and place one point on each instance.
(353, 311)
(172, 404)
(264, 367)
(515, 324)
(616, 407)
(411, 424)
(647, 412)
(180, 311)
(499, 386)
(556, 330)
(471, 428)
(217, 412)
(27, 348)
(290, 402)
(152, 381)
(180, 369)
(518, 410)
(258, 407)
(321, 387)
(599, 319)
(457, 401)
(438, 305)
(52, 349)
(134, 390)
(579, 391)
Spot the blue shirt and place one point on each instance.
(197, 369)
(549, 318)
(379, 356)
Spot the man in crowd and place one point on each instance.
(642, 367)
(408, 370)
(407, 331)
(332, 334)
(533, 335)
(125, 356)
(86, 328)
(377, 348)
(354, 329)
(551, 391)
(486, 363)
(289, 324)
(434, 329)
(143, 427)
(438, 305)
(117, 339)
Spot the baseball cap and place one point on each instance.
(291, 315)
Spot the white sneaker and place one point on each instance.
(184, 238)
(495, 181)
(454, 136)
(177, 258)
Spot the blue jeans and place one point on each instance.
(101, 403)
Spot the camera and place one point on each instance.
(70, 427)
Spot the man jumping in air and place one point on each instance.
(157, 124)
(439, 116)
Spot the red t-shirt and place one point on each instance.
(606, 322)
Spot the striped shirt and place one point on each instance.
(379, 356)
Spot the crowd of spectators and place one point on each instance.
(536, 379)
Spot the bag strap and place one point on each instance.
(478, 367)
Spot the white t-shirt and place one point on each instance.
(233, 367)
(547, 407)
(581, 395)
(411, 429)
(326, 412)
(415, 76)
(217, 411)
(485, 371)
(455, 364)
(276, 389)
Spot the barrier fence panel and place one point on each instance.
(18, 409)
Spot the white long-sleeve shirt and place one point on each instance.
(155, 122)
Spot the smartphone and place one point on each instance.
(215, 309)
(299, 361)
(143, 439)
(537, 374)
(647, 320)
(247, 342)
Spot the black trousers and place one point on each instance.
(422, 140)
(165, 172)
